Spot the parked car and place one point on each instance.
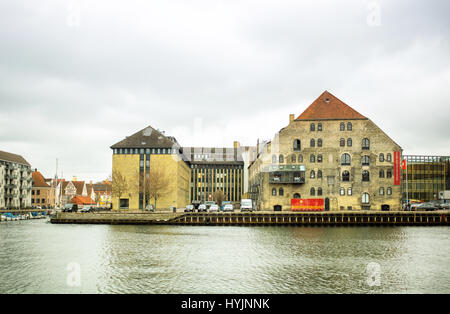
(189, 208)
(86, 209)
(150, 207)
(428, 206)
(202, 208)
(214, 208)
(228, 208)
(444, 206)
(70, 208)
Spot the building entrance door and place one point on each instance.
(327, 204)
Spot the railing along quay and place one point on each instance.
(262, 218)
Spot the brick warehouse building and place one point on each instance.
(331, 153)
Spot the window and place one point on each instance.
(381, 157)
(365, 160)
(319, 191)
(342, 191)
(389, 191)
(349, 142)
(365, 175)
(319, 174)
(312, 174)
(312, 143)
(381, 173)
(274, 159)
(342, 142)
(381, 192)
(349, 126)
(300, 158)
(389, 173)
(312, 192)
(342, 126)
(365, 143)
(319, 158)
(312, 127)
(319, 127)
(297, 145)
(346, 176)
(281, 192)
(349, 191)
(296, 195)
(274, 192)
(281, 158)
(345, 160)
(312, 158)
(293, 159)
(365, 198)
(389, 157)
(319, 142)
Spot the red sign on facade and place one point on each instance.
(307, 204)
(397, 164)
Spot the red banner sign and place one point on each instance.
(307, 204)
(397, 163)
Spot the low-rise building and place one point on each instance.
(43, 192)
(15, 181)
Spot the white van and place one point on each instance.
(246, 205)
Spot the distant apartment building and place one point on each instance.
(425, 176)
(15, 181)
(43, 192)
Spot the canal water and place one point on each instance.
(38, 257)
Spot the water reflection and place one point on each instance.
(188, 259)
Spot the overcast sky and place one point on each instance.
(79, 76)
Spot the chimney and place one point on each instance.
(236, 144)
(257, 146)
(291, 118)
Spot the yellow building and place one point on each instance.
(142, 159)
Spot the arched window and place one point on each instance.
(381, 173)
(297, 145)
(319, 174)
(319, 142)
(389, 191)
(365, 175)
(342, 142)
(312, 158)
(381, 191)
(345, 176)
(274, 192)
(281, 158)
(342, 126)
(342, 191)
(312, 192)
(345, 160)
(319, 127)
(312, 143)
(389, 173)
(388, 157)
(349, 142)
(296, 195)
(300, 158)
(312, 127)
(365, 160)
(349, 191)
(312, 174)
(281, 192)
(274, 159)
(365, 143)
(319, 191)
(349, 126)
(293, 158)
(365, 198)
(319, 158)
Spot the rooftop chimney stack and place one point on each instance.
(291, 118)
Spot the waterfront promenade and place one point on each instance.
(332, 218)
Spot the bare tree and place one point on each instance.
(219, 197)
(156, 184)
(119, 184)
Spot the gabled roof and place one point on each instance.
(79, 185)
(39, 180)
(329, 107)
(82, 200)
(147, 138)
(5, 156)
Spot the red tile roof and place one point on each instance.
(82, 200)
(329, 107)
(39, 180)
